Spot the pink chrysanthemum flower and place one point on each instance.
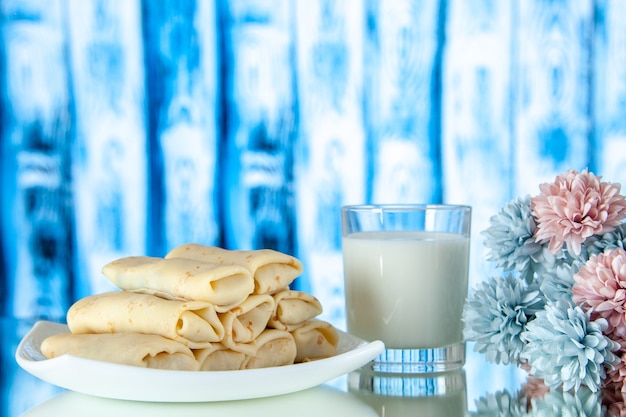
(614, 388)
(574, 207)
(616, 378)
(534, 388)
(600, 289)
(616, 409)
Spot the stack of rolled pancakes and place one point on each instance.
(199, 308)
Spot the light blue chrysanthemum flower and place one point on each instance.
(496, 314)
(566, 348)
(510, 238)
(557, 282)
(543, 261)
(500, 404)
(584, 403)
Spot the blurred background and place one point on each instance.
(128, 127)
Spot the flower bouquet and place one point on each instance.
(559, 308)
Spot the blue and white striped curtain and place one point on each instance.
(129, 126)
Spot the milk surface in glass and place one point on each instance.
(406, 288)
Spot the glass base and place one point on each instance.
(419, 361)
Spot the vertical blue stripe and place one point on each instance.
(329, 162)
(36, 140)
(402, 116)
(260, 127)
(36, 135)
(552, 121)
(109, 166)
(181, 52)
(609, 109)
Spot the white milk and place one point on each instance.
(406, 288)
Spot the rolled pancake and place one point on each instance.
(271, 269)
(192, 323)
(292, 309)
(245, 322)
(218, 357)
(317, 339)
(274, 348)
(182, 279)
(135, 349)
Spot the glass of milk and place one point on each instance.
(406, 278)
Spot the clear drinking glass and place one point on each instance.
(406, 278)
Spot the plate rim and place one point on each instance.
(49, 370)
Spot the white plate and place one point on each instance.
(111, 380)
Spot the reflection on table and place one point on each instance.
(443, 394)
(314, 402)
(367, 395)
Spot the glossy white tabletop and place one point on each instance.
(314, 402)
(354, 394)
(339, 397)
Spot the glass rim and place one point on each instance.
(406, 207)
